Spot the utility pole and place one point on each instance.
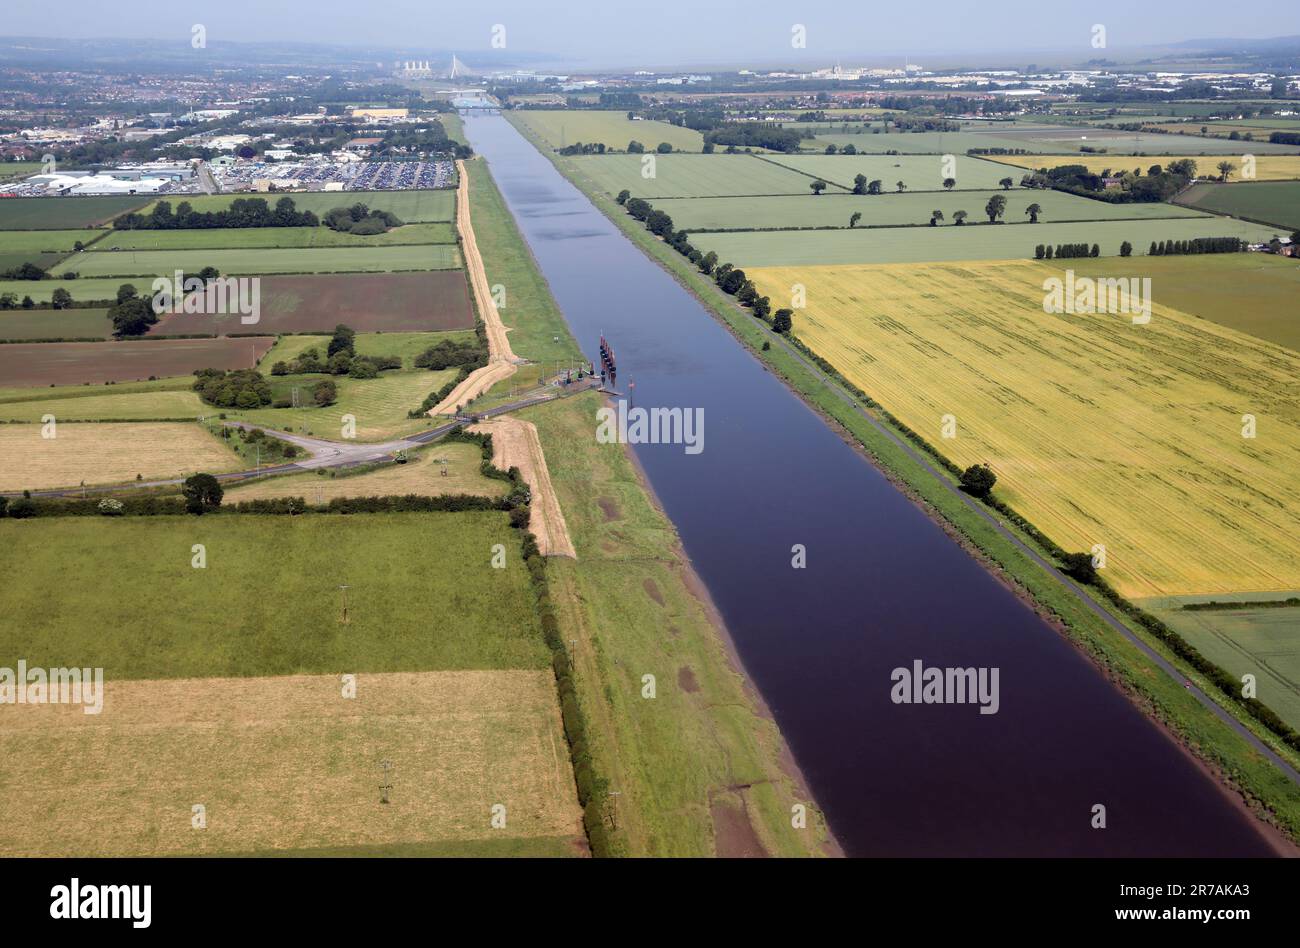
(344, 617)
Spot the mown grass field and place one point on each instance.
(106, 454)
(1007, 241)
(1100, 431)
(891, 210)
(46, 241)
(1118, 142)
(254, 261)
(691, 175)
(423, 595)
(1277, 202)
(1251, 292)
(423, 474)
(378, 405)
(411, 207)
(1267, 167)
(289, 764)
(917, 172)
(42, 291)
(560, 127)
(100, 403)
(272, 237)
(35, 324)
(63, 213)
(1260, 642)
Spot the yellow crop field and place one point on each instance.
(1267, 167)
(106, 453)
(288, 763)
(423, 474)
(1100, 431)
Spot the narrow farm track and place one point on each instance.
(501, 358)
(1050, 569)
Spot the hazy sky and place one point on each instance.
(637, 32)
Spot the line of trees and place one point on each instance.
(731, 280)
(1166, 248)
(242, 213)
(1067, 251)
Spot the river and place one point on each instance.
(883, 587)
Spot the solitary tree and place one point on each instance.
(995, 207)
(935, 217)
(949, 183)
(1126, 249)
(959, 217)
(854, 218)
(202, 493)
(1006, 184)
(818, 187)
(1079, 566)
(1033, 211)
(875, 187)
(860, 184)
(782, 320)
(1226, 168)
(978, 480)
(901, 186)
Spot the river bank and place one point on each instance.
(699, 769)
(1225, 753)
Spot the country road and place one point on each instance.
(324, 454)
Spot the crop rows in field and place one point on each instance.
(1100, 431)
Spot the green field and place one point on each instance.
(63, 213)
(971, 242)
(18, 169)
(270, 237)
(379, 405)
(1277, 202)
(82, 290)
(560, 127)
(916, 143)
(407, 345)
(1251, 292)
(1260, 642)
(691, 175)
(889, 210)
(917, 172)
(411, 207)
(30, 325)
(245, 262)
(423, 595)
(103, 403)
(44, 241)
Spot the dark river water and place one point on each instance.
(883, 587)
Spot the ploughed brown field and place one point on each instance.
(423, 301)
(71, 363)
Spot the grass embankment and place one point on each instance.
(627, 609)
(1160, 695)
